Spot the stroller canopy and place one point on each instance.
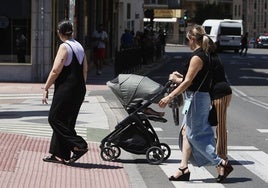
(132, 89)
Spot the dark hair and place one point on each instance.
(65, 27)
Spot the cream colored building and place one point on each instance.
(28, 31)
(254, 13)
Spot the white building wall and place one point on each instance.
(135, 22)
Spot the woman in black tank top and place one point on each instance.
(196, 137)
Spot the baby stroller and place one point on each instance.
(135, 133)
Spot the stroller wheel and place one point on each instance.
(107, 154)
(166, 149)
(155, 155)
(117, 151)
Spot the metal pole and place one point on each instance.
(184, 33)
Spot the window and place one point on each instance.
(235, 10)
(128, 11)
(15, 31)
(265, 20)
(230, 31)
(208, 29)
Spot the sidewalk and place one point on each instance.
(25, 137)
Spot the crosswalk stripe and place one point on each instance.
(254, 161)
(158, 129)
(197, 174)
(37, 130)
(263, 130)
(21, 96)
(250, 157)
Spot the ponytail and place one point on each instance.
(202, 39)
(208, 45)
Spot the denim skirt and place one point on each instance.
(199, 132)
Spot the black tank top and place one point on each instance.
(205, 87)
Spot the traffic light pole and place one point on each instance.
(184, 33)
(185, 17)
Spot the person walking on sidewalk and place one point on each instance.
(100, 38)
(196, 138)
(68, 74)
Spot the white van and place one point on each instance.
(225, 33)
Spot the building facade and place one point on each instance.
(254, 14)
(28, 31)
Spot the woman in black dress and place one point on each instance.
(68, 74)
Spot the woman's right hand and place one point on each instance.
(176, 77)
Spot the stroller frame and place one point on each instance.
(155, 151)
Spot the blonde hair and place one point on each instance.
(202, 39)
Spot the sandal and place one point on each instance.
(227, 170)
(53, 159)
(183, 177)
(77, 154)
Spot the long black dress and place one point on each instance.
(68, 97)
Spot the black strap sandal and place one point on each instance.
(227, 170)
(183, 177)
(53, 159)
(77, 154)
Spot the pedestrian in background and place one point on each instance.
(21, 42)
(244, 44)
(126, 40)
(68, 74)
(100, 38)
(221, 94)
(196, 138)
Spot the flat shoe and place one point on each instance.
(77, 154)
(53, 159)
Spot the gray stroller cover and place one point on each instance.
(132, 89)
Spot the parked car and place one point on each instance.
(262, 41)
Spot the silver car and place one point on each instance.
(262, 41)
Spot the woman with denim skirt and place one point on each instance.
(196, 138)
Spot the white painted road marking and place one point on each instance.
(250, 157)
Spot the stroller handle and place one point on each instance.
(168, 84)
